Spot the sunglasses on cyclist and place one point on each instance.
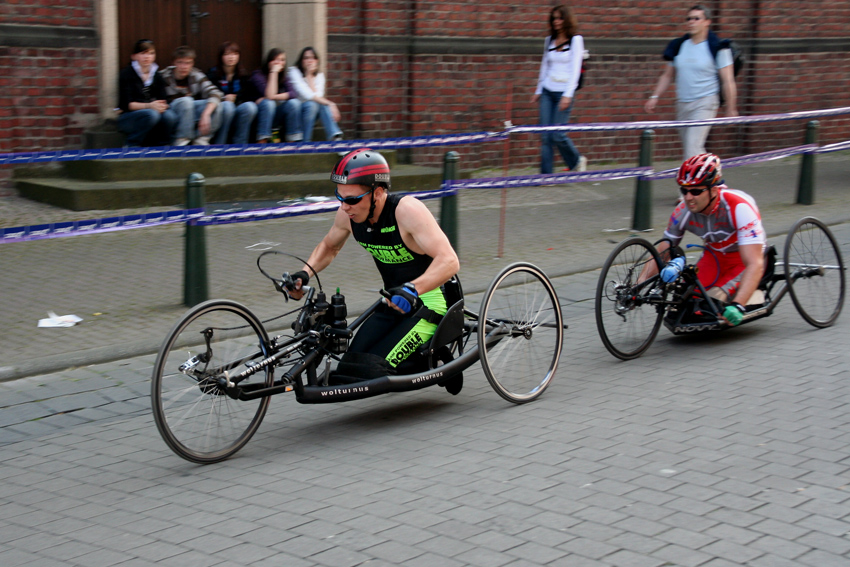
(350, 200)
(695, 191)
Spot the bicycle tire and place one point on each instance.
(622, 319)
(195, 418)
(521, 364)
(814, 272)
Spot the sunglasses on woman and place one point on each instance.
(695, 191)
(350, 200)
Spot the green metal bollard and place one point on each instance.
(806, 186)
(642, 215)
(448, 204)
(195, 288)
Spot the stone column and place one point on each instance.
(107, 26)
(292, 25)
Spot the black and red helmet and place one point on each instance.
(701, 170)
(362, 167)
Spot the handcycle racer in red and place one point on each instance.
(730, 225)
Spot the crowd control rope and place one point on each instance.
(234, 150)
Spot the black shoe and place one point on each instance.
(454, 384)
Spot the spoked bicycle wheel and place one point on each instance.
(626, 322)
(814, 272)
(195, 417)
(522, 307)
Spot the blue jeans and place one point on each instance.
(309, 110)
(244, 114)
(272, 113)
(137, 124)
(188, 112)
(551, 116)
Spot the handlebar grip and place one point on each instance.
(386, 294)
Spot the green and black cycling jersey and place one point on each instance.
(395, 261)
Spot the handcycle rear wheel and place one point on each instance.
(195, 417)
(522, 305)
(627, 324)
(814, 272)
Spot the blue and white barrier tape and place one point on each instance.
(185, 152)
(546, 179)
(95, 226)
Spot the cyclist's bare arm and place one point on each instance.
(421, 233)
(752, 255)
(649, 268)
(327, 249)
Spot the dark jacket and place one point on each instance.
(240, 85)
(132, 89)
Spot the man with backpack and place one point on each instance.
(703, 66)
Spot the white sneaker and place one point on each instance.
(181, 142)
(582, 164)
(201, 141)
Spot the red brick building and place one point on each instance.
(407, 68)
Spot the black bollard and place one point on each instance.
(195, 288)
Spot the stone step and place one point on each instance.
(179, 168)
(83, 195)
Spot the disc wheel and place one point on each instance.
(626, 321)
(814, 271)
(194, 415)
(521, 312)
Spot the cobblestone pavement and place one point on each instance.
(708, 451)
(128, 286)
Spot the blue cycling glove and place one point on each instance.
(406, 298)
(734, 313)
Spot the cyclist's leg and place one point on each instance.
(395, 337)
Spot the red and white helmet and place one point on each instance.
(701, 170)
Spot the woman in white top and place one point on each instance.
(559, 74)
(309, 84)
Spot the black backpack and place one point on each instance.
(715, 44)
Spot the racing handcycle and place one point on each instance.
(218, 368)
(631, 305)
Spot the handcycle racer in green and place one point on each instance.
(413, 256)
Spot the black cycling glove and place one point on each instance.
(406, 298)
(305, 279)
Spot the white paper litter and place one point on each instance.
(54, 320)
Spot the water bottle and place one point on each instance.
(338, 313)
(671, 271)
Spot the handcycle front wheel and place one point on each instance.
(626, 321)
(194, 415)
(814, 272)
(522, 307)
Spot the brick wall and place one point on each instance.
(416, 87)
(396, 94)
(50, 92)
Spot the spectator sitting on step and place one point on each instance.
(276, 103)
(309, 84)
(194, 99)
(145, 118)
(237, 109)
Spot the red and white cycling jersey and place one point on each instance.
(733, 220)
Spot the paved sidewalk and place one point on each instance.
(127, 286)
(709, 451)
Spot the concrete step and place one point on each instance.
(83, 195)
(179, 168)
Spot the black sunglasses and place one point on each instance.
(350, 200)
(695, 192)
(693, 18)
